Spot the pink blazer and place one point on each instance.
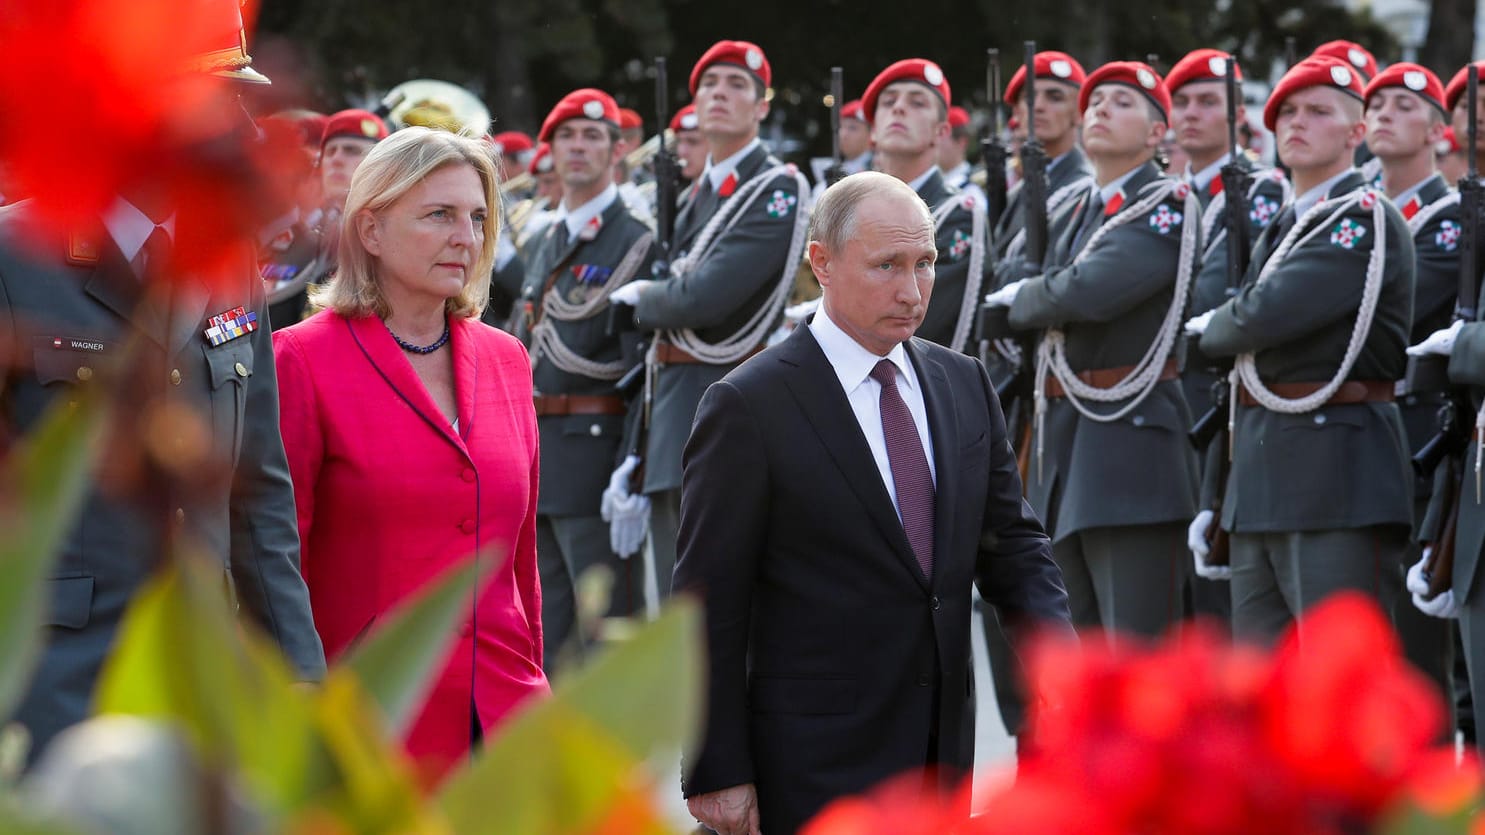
(389, 496)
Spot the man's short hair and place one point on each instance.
(390, 170)
(834, 220)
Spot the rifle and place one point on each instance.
(835, 172)
(1235, 184)
(1450, 441)
(993, 149)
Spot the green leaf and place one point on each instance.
(573, 763)
(42, 488)
(15, 819)
(181, 655)
(396, 662)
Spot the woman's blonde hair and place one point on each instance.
(390, 170)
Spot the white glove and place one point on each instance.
(1005, 296)
(800, 312)
(1439, 342)
(629, 294)
(1196, 540)
(630, 523)
(1441, 606)
(1198, 324)
(618, 487)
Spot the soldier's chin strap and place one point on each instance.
(1245, 368)
(1051, 355)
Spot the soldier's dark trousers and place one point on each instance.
(1125, 579)
(1472, 630)
(665, 526)
(1276, 577)
(567, 546)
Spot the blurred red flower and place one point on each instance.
(1327, 734)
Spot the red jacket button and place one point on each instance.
(468, 474)
(467, 526)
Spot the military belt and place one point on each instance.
(1106, 378)
(668, 354)
(1351, 391)
(578, 404)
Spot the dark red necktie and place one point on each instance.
(910, 473)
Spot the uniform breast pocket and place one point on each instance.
(229, 368)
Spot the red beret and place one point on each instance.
(586, 103)
(685, 119)
(852, 110)
(541, 161)
(1449, 144)
(630, 119)
(737, 53)
(1352, 53)
(1131, 74)
(958, 117)
(919, 70)
(1058, 66)
(1412, 77)
(1200, 65)
(1314, 71)
(359, 123)
(512, 142)
(1458, 84)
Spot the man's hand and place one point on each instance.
(1441, 605)
(1198, 324)
(629, 523)
(731, 811)
(1005, 296)
(629, 294)
(1440, 342)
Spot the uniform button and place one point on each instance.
(84, 373)
(468, 474)
(240, 369)
(934, 603)
(1319, 419)
(180, 515)
(175, 376)
(923, 680)
(467, 526)
(467, 629)
(1139, 420)
(595, 430)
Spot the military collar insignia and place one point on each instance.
(82, 250)
(591, 228)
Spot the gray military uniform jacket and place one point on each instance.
(954, 240)
(1068, 169)
(716, 299)
(1140, 469)
(578, 452)
(67, 312)
(1339, 466)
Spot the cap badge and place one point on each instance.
(1218, 65)
(1145, 78)
(369, 128)
(1060, 68)
(1358, 58)
(593, 109)
(754, 59)
(1415, 80)
(688, 121)
(1341, 76)
(932, 74)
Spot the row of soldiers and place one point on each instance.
(1113, 301)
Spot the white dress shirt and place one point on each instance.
(853, 365)
(130, 228)
(577, 218)
(716, 172)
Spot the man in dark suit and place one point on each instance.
(842, 492)
(195, 461)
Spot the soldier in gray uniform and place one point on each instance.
(593, 247)
(190, 353)
(740, 238)
(1319, 497)
(1111, 471)
(1198, 87)
(1405, 118)
(907, 105)
(1059, 78)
